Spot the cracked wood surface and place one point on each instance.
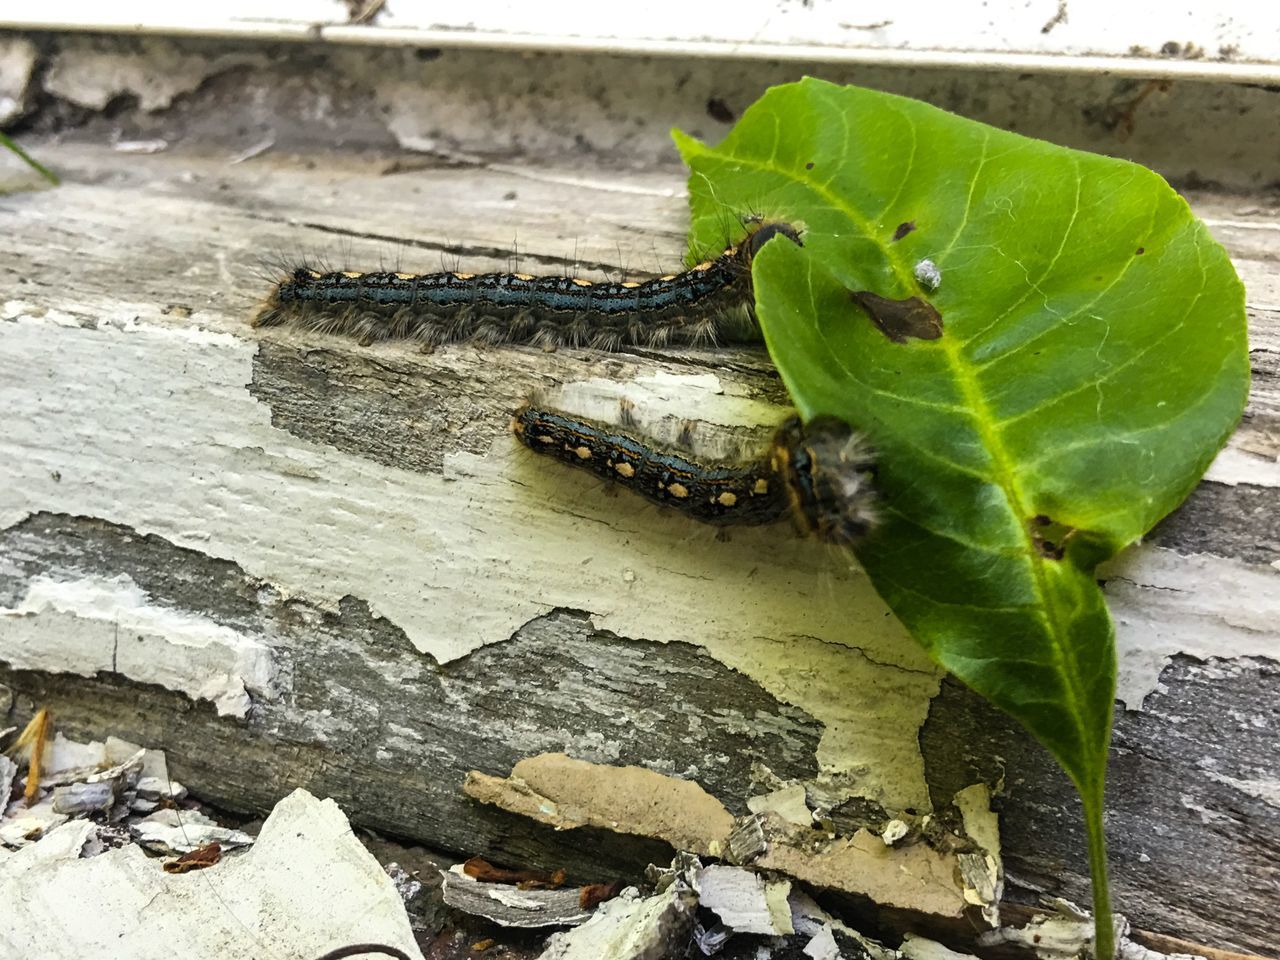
(382, 687)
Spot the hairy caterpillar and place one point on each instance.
(709, 303)
(819, 473)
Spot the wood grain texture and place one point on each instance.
(390, 733)
(360, 706)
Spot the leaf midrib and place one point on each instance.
(1006, 480)
(1004, 475)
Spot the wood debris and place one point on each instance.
(745, 902)
(168, 831)
(909, 862)
(484, 871)
(30, 746)
(594, 894)
(115, 782)
(512, 906)
(630, 927)
(197, 859)
(566, 793)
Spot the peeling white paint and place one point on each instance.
(17, 62)
(981, 824)
(90, 74)
(111, 625)
(1234, 466)
(626, 926)
(1165, 603)
(744, 900)
(166, 439)
(305, 886)
(894, 831)
(1266, 789)
(915, 947)
(176, 446)
(790, 803)
(983, 872)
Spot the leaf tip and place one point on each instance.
(687, 146)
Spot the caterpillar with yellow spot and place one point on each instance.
(818, 473)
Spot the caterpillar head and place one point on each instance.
(760, 233)
(826, 468)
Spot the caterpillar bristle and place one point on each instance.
(608, 341)
(705, 305)
(548, 338)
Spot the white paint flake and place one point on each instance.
(176, 446)
(98, 624)
(304, 886)
(1234, 466)
(1165, 603)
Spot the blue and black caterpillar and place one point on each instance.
(819, 473)
(707, 304)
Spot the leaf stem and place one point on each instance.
(31, 161)
(1104, 934)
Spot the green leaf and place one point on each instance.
(1045, 347)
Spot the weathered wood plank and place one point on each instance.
(1191, 803)
(362, 716)
(369, 558)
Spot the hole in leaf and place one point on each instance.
(1050, 537)
(900, 320)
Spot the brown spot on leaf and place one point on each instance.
(903, 229)
(1049, 536)
(1050, 550)
(901, 320)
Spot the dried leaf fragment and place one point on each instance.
(197, 859)
(594, 894)
(484, 871)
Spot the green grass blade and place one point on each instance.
(35, 165)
